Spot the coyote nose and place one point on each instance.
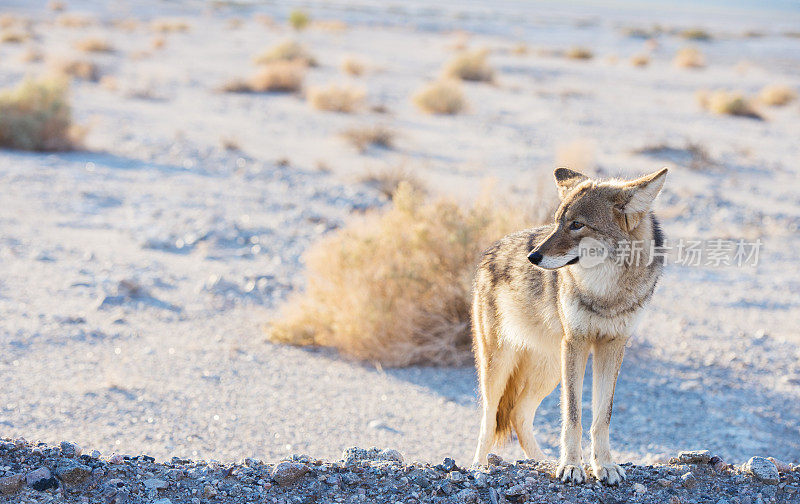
(535, 257)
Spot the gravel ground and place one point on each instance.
(40, 473)
(136, 276)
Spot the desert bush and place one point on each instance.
(299, 19)
(336, 98)
(440, 97)
(470, 66)
(579, 53)
(56, 5)
(80, 69)
(352, 66)
(777, 95)
(640, 60)
(520, 49)
(395, 287)
(288, 50)
(75, 21)
(30, 55)
(158, 42)
(36, 116)
(689, 57)
(279, 77)
(364, 137)
(331, 25)
(93, 44)
(169, 25)
(388, 180)
(727, 103)
(695, 34)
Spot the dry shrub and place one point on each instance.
(36, 116)
(470, 66)
(364, 137)
(93, 44)
(288, 50)
(337, 98)
(689, 57)
(234, 23)
(389, 179)
(777, 95)
(579, 53)
(170, 25)
(158, 42)
(126, 24)
(395, 287)
(640, 60)
(30, 55)
(579, 155)
(520, 49)
(441, 97)
(331, 25)
(109, 83)
(695, 34)
(265, 20)
(56, 5)
(352, 65)
(278, 77)
(14, 37)
(727, 103)
(80, 69)
(299, 19)
(75, 21)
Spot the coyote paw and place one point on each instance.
(610, 474)
(570, 473)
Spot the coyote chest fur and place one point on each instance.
(539, 309)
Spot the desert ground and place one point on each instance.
(137, 273)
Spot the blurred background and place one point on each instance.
(236, 229)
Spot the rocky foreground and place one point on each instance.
(41, 473)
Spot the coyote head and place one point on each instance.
(609, 211)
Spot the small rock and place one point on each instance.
(155, 484)
(444, 487)
(209, 491)
(70, 450)
(516, 491)
(494, 459)
(689, 480)
(287, 473)
(694, 457)
(467, 496)
(781, 466)
(457, 477)
(639, 488)
(448, 465)
(763, 470)
(163, 501)
(41, 479)
(390, 455)
(664, 482)
(72, 473)
(10, 485)
(481, 479)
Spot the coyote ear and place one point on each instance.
(566, 179)
(638, 195)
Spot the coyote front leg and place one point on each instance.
(605, 369)
(574, 353)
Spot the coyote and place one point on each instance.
(534, 325)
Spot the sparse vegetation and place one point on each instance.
(689, 57)
(74, 21)
(640, 60)
(299, 19)
(352, 66)
(277, 77)
(520, 49)
(36, 116)
(441, 97)
(470, 66)
(388, 180)
(94, 44)
(727, 103)
(777, 95)
(364, 137)
(30, 55)
(288, 50)
(695, 34)
(395, 288)
(170, 25)
(56, 5)
(14, 37)
(692, 155)
(579, 53)
(158, 42)
(80, 69)
(336, 98)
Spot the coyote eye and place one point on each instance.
(575, 225)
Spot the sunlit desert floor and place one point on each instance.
(136, 276)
